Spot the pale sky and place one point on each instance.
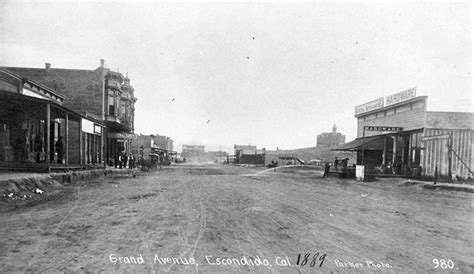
(272, 74)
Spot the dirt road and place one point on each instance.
(234, 219)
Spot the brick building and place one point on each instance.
(38, 133)
(100, 94)
(143, 144)
(330, 139)
(402, 137)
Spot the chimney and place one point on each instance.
(102, 61)
(47, 66)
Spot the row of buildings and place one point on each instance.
(197, 153)
(250, 154)
(398, 135)
(56, 118)
(325, 141)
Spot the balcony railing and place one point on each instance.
(113, 118)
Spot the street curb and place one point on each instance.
(42, 181)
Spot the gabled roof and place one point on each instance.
(36, 87)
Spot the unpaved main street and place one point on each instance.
(204, 215)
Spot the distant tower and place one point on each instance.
(330, 139)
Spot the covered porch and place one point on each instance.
(36, 132)
(388, 154)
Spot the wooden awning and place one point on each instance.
(366, 143)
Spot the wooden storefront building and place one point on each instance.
(402, 137)
(37, 133)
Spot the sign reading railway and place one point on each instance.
(382, 128)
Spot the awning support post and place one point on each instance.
(363, 150)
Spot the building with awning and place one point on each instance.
(143, 145)
(363, 143)
(402, 137)
(100, 95)
(38, 133)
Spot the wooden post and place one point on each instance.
(81, 153)
(384, 150)
(48, 135)
(66, 141)
(450, 157)
(363, 150)
(104, 145)
(394, 154)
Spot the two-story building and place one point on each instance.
(402, 137)
(120, 113)
(38, 133)
(101, 95)
(143, 145)
(330, 139)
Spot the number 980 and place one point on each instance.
(443, 264)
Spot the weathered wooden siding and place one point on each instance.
(410, 116)
(436, 153)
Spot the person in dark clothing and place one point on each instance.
(124, 160)
(336, 162)
(116, 160)
(327, 166)
(60, 149)
(38, 147)
(131, 162)
(160, 161)
(344, 167)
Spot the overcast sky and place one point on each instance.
(270, 74)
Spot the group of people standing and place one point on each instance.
(343, 162)
(122, 160)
